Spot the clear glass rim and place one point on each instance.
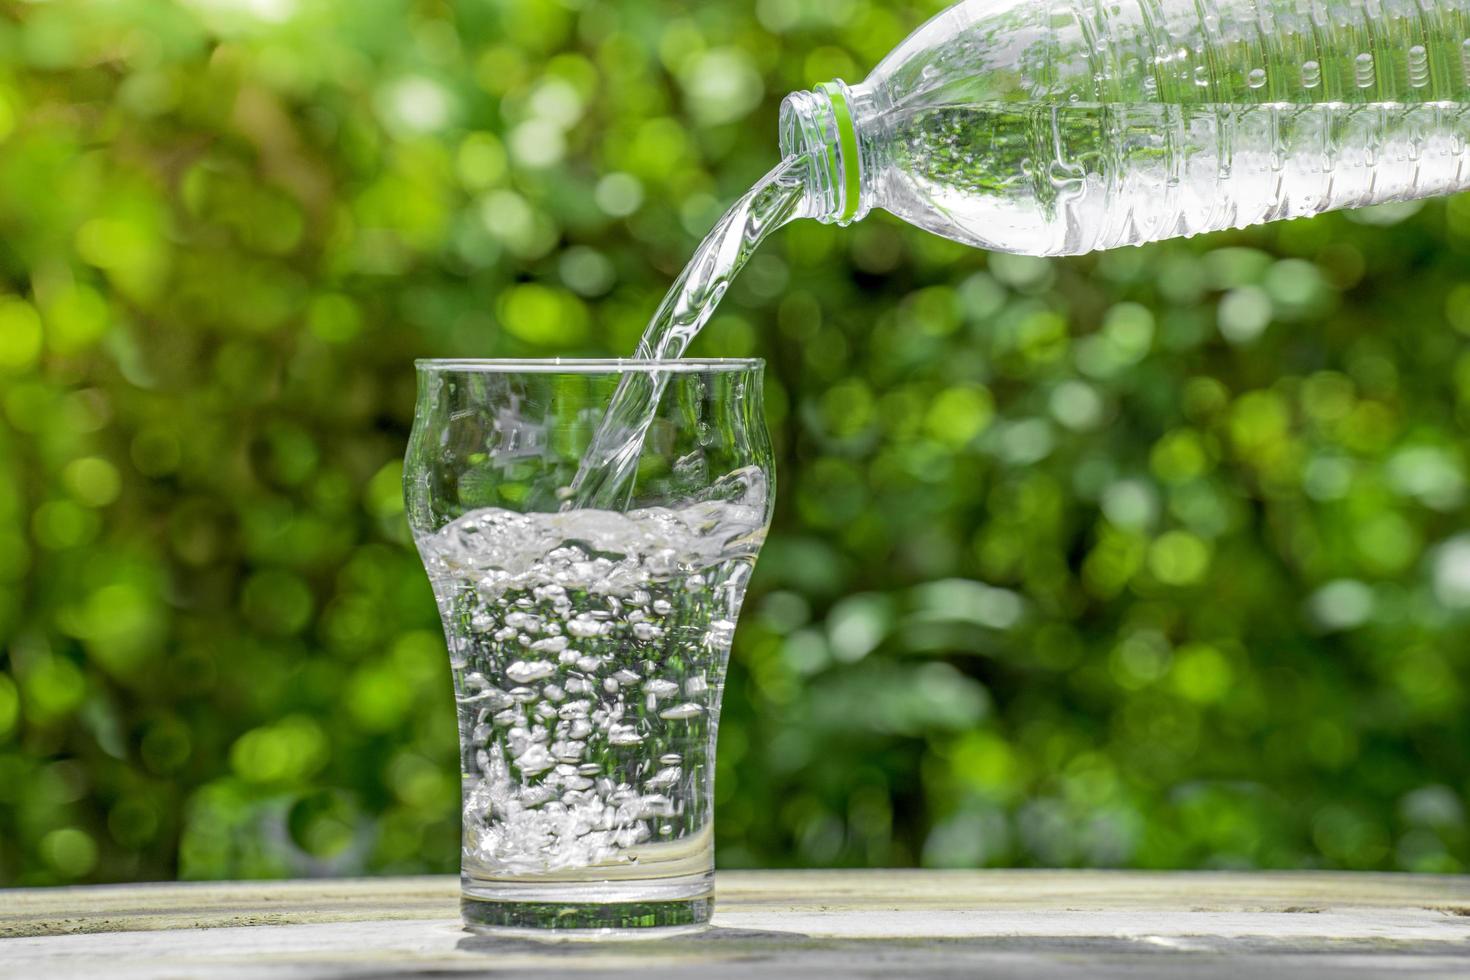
(589, 365)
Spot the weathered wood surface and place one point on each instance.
(833, 923)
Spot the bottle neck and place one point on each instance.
(825, 126)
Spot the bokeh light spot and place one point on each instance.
(93, 481)
(1179, 558)
(70, 851)
(1342, 605)
(618, 194)
(20, 334)
(9, 706)
(1451, 573)
(277, 602)
(957, 415)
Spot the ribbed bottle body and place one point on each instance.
(1067, 126)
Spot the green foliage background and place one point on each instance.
(1155, 558)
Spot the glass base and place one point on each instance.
(650, 909)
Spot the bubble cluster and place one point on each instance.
(588, 650)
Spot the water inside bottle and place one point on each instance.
(1066, 179)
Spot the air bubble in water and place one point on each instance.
(549, 593)
(584, 627)
(528, 622)
(623, 735)
(660, 688)
(568, 750)
(579, 765)
(523, 671)
(663, 778)
(536, 759)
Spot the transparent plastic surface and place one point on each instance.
(1056, 127)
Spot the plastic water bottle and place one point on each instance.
(1055, 127)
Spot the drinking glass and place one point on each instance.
(588, 646)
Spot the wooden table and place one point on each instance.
(772, 923)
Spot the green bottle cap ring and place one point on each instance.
(847, 143)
